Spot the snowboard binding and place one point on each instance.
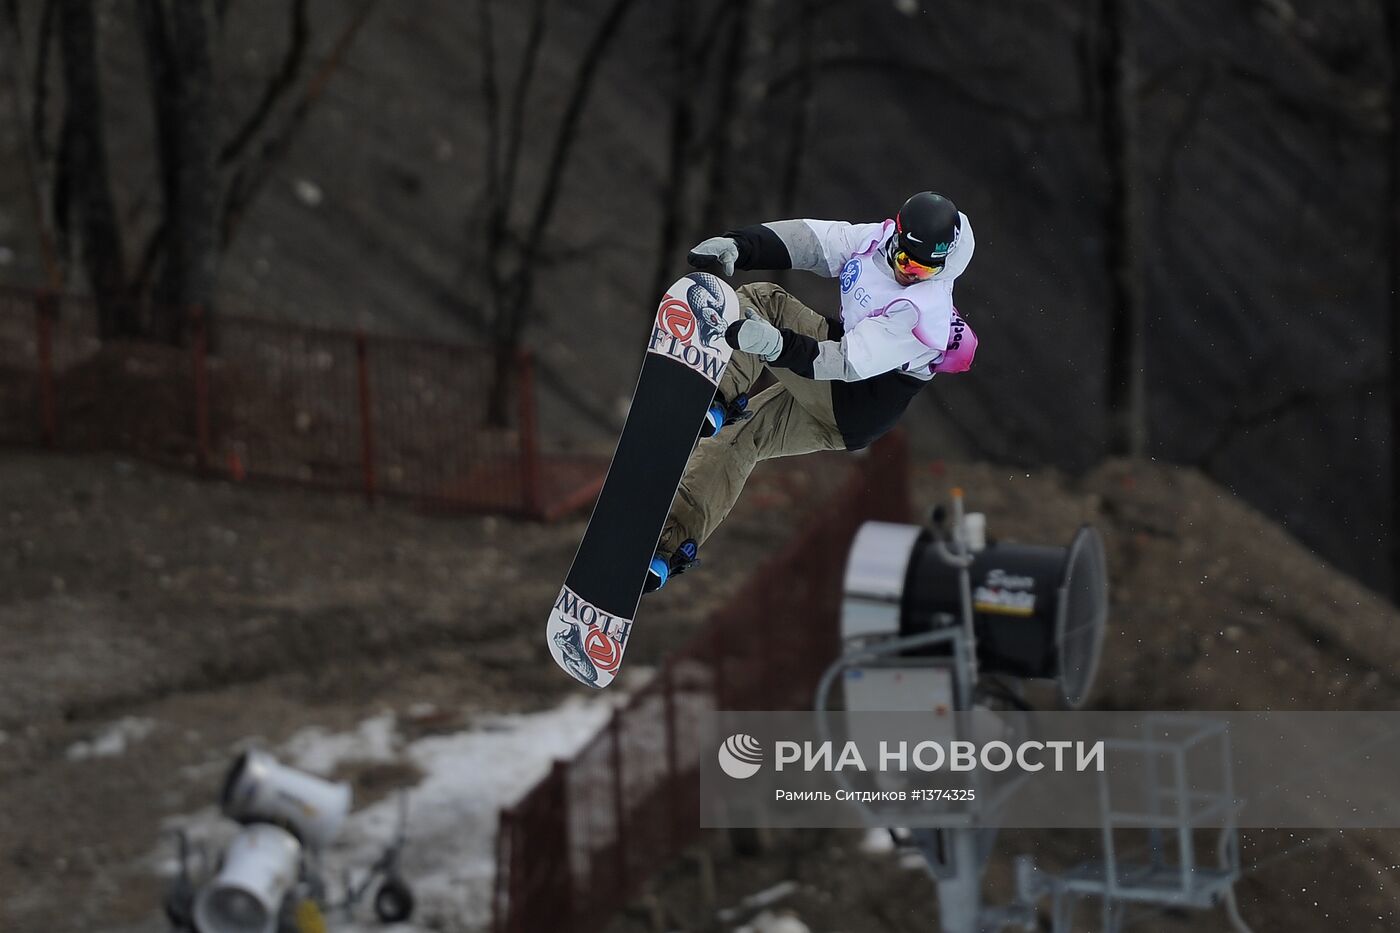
(663, 568)
(721, 413)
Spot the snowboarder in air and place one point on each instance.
(841, 383)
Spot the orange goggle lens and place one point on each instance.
(911, 266)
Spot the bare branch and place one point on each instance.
(493, 193)
(1391, 244)
(1240, 423)
(1176, 139)
(1363, 112)
(151, 255)
(721, 147)
(89, 183)
(802, 111)
(511, 287)
(673, 190)
(563, 145)
(161, 76)
(32, 162)
(39, 108)
(950, 83)
(516, 117)
(1117, 76)
(277, 86)
(249, 179)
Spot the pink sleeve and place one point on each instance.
(962, 346)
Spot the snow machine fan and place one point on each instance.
(1081, 617)
(1038, 613)
(260, 789)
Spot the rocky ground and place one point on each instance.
(1213, 608)
(209, 616)
(206, 616)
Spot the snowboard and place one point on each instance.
(592, 617)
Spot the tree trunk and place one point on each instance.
(191, 255)
(801, 112)
(1392, 242)
(1127, 390)
(677, 169)
(514, 299)
(85, 171)
(727, 105)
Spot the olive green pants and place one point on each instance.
(793, 417)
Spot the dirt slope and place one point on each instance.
(226, 614)
(1213, 607)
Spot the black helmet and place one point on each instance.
(927, 227)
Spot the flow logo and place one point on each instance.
(740, 756)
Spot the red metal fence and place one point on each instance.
(575, 848)
(252, 398)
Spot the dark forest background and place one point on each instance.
(1186, 210)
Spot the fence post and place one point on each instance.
(504, 845)
(529, 447)
(519, 890)
(564, 893)
(200, 358)
(668, 695)
(366, 422)
(45, 308)
(619, 805)
(717, 625)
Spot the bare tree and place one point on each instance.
(205, 189)
(1127, 389)
(680, 140)
(32, 160)
(178, 55)
(1392, 241)
(512, 227)
(691, 55)
(801, 109)
(82, 174)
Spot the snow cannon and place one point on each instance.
(259, 867)
(260, 789)
(1021, 611)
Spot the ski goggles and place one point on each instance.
(908, 265)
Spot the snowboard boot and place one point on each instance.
(722, 413)
(663, 568)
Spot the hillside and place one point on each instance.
(1258, 167)
(1213, 607)
(212, 615)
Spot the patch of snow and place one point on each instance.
(321, 752)
(877, 842)
(449, 857)
(766, 922)
(765, 898)
(913, 861)
(113, 739)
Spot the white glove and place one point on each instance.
(716, 252)
(755, 335)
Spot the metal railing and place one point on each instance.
(254, 399)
